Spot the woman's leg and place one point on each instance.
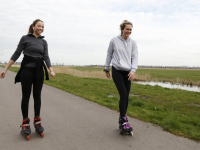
(37, 88)
(119, 82)
(26, 77)
(127, 84)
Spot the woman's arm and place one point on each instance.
(134, 62)
(108, 59)
(47, 59)
(19, 49)
(14, 57)
(3, 73)
(109, 55)
(134, 58)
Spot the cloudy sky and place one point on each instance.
(167, 32)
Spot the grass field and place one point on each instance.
(176, 111)
(188, 77)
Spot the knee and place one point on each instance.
(37, 98)
(25, 98)
(36, 95)
(123, 96)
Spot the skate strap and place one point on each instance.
(39, 122)
(25, 125)
(124, 123)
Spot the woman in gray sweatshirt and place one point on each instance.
(123, 53)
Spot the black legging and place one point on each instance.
(27, 77)
(123, 85)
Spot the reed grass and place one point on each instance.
(78, 73)
(94, 73)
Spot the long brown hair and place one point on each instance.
(32, 25)
(123, 25)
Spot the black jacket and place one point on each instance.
(39, 63)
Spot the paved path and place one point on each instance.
(73, 123)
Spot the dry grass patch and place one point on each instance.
(78, 73)
(94, 74)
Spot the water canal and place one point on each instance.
(172, 86)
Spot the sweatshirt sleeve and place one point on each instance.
(46, 54)
(19, 49)
(109, 55)
(134, 57)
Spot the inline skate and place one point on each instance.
(26, 130)
(125, 127)
(38, 127)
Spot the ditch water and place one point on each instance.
(172, 86)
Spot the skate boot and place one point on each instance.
(26, 130)
(121, 121)
(38, 127)
(126, 128)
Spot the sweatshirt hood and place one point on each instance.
(121, 38)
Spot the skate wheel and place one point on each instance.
(131, 134)
(123, 134)
(27, 138)
(42, 135)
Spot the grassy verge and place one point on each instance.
(176, 111)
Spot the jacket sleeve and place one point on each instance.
(19, 49)
(109, 55)
(134, 57)
(46, 54)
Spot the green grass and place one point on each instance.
(169, 74)
(183, 76)
(176, 111)
(159, 74)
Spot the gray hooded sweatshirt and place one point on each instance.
(123, 54)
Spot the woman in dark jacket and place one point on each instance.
(35, 50)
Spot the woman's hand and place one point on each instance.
(131, 75)
(3, 73)
(52, 74)
(107, 74)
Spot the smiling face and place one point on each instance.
(127, 31)
(38, 28)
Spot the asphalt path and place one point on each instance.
(73, 123)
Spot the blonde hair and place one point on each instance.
(124, 23)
